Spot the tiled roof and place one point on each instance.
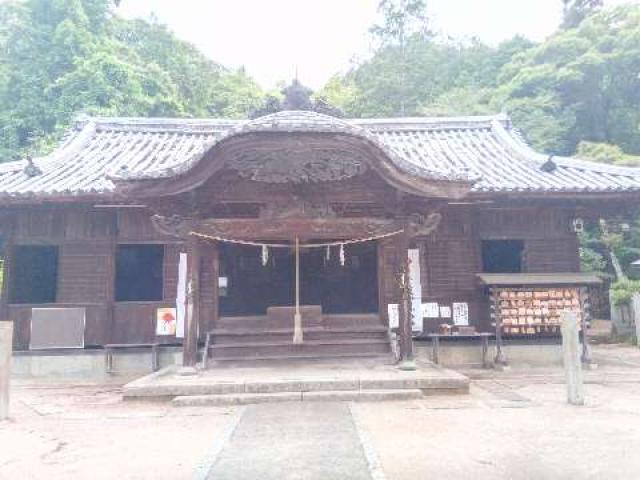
(484, 150)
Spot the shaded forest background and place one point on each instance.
(577, 92)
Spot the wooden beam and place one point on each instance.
(288, 228)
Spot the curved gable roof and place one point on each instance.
(298, 122)
(485, 150)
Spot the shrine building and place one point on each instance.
(295, 234)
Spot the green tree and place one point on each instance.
(583, 81)
(62, 57)
(402, 20)
(437, 74)
(606, 153)
(574, 11)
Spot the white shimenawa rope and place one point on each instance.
(292, 245)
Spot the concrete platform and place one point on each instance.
(462, 353)
(88, 364)
(361, 380)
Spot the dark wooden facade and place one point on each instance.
(450, 258)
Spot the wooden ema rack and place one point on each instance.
(533, 310)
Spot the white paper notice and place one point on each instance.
(394, 315)
(416, 289)
(430, 310)
(445, 311)
(181, 295)
(461, 314)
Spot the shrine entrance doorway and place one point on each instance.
(339, 283)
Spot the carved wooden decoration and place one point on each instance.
(296, 207)
(422, 225)
(299, 166)
(174, 225)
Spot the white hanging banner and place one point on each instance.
(181, 295)
(416, 289)
(394, 315)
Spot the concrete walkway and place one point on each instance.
(293, 441)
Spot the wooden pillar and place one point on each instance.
(6, 278)
(404, 298)
(190, 343)
(215, 272)
(7, 253)
(111, 279)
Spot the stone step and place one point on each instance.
(287, 337)
(302, 356)
(326, 321)
(276, 335)
(167, 384)
(325, 346)
(289, 330)
(311, 396)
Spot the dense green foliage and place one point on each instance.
(607, 153)
(585, 80)
(62, 57)
(618, 236)
(580, 85)
(622, 291)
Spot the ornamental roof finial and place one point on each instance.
(31, 169)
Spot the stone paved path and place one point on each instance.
(310, 441)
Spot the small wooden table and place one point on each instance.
(111, 348)
(483, 337)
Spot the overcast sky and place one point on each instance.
(321, 37)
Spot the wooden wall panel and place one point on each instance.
(450, 261)
(550, 244)
(170, 271)
(83, 224)
(84, 272)
(552, 255)
(451, 258)
(134, 225)
(134, 322)
(44, 225)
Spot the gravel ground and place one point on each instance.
(517, 425)
(513, 425)
(86, 431)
